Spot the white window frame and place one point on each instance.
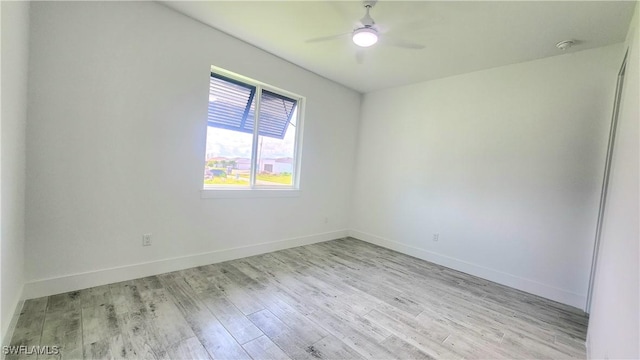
(255, 190)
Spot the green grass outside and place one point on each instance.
(225, 181)
(276, 178)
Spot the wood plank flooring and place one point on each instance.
(342, 299)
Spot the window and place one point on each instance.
(253, 135)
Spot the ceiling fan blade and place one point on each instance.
(328, 38)
(360, 56)
(400, 43)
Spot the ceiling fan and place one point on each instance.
(368, 33)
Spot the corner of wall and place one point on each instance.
(356, 151)
(614, 297)
(14, 68)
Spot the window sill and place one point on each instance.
(247, 193)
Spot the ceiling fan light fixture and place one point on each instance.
(365, 36)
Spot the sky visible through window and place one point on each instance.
(234, 144)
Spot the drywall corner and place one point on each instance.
(614, 321)
(14, 69)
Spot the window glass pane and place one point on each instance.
(276, 155)
(231, 130)
(228, 160)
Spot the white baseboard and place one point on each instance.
(57, 285)
(516, 282)
(8, 332)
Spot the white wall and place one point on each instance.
(116, 145)
(615, 309)
(15, 46)
(505, 164)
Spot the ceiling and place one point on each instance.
(458, 37)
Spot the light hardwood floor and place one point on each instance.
(342, 299)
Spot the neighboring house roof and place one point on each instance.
(286, 160)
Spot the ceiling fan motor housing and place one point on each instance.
(367, 21)
(369, 3)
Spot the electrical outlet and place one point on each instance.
(146, 240)
(436, 237)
